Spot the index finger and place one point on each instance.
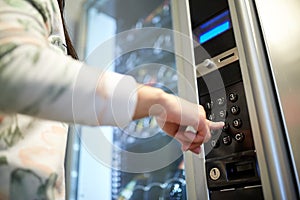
(215, 125)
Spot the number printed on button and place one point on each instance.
(237, 123)
(221, 101)
(235, 110)
(223, 113)
(233, 97)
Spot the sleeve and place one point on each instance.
(38, 80)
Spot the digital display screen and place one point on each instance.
(213, 27)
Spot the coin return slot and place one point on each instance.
(240, 170)
(226, 57)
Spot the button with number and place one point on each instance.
(237, 123)
(211, 117)
(223, 114)
(239, 137)
(221, 101)
(208, 106)
(214, 173)
(233, 97)
(215, 143)
(227, 140)
(235, 110)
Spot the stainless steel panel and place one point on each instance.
(217, 62)
(264, 108)
(185, 64)
(280, 25)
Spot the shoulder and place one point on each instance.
(44, 11)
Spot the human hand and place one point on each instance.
(177, 115)
(174, 115)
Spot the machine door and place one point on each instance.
(231, 163)
(250, 158)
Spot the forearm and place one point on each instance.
(40, 82)
(149, 101)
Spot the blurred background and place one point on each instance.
(98, 156)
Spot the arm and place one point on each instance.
(38, 79)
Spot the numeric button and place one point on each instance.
(237, 123)
(233, 97)
(208, 105)
(215, 143)
(235, 110)
(221, 101)
(212, 117)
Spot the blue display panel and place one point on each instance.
(213, 27)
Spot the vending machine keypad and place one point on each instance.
(236, 135)
(230, 153)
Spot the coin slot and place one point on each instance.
(240, 170)
(226, 57)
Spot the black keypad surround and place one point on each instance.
(232, 109)
(231, 146)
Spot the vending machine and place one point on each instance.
(237, 58)
(246, 65)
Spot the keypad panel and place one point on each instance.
(231, 108)
(230, 153)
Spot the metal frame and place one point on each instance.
(269, 133)
(217, 62)
(278, 179)
(187, 88)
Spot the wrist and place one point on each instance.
(150, 101)
(159, 104)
